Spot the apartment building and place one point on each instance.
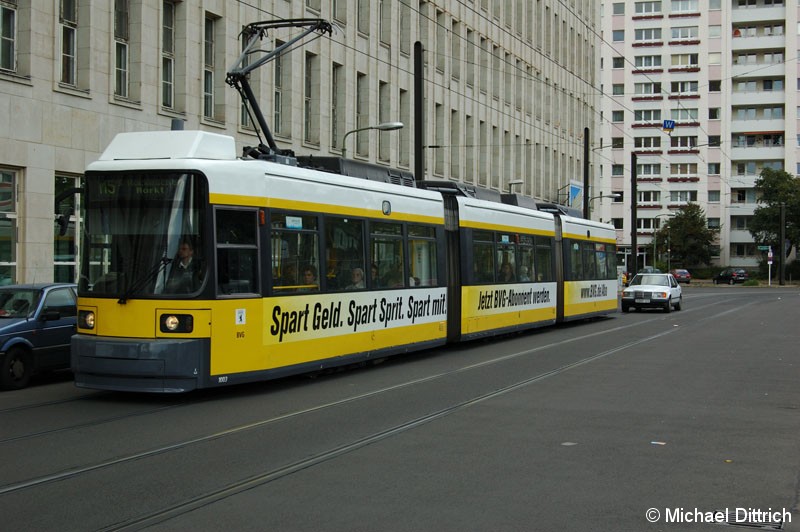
(705, 93)
(510, 86)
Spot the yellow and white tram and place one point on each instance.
(202, 269)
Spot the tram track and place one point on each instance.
(281, 468)
(78, 471)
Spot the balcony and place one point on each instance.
(758, 98)
(757, 153)
(759, 70)
(759, 42)
(750, 126)
(758, 14)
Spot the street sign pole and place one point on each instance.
(769, 266)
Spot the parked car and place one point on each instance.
(36, 324)
(682, 276)
(731, 276)
(652, 290)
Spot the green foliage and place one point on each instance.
(688, 236)
(751, 282)
(776, 187)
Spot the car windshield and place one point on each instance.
(18, 302)
(659, 280)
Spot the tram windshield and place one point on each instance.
(142, 235)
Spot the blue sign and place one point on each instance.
(669, 124)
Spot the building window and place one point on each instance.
(713, 196)
(64, 242)
(684, 115)
(684, 6)
(647, 61)
(8, 226)
(69, 41)
(8, 38)
(311, 103)
(617, 170)
(647, 34)
(282, 94)
(618, 8)
(617, 116)
(714, 85)
(647, 115)
(121, 58)
(714, 141)
(384, 137)
(618, 89)
(405, 117)
(713, 169)
(618, 62)
(337, 103)
(362, 113)
(683, 33)
(647, 8)
(683, 87)
(714, 113)
(208, 67)
(618, 35)
(168, 56)
(617, 142)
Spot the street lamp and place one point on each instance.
(512, 183)
(385, 126)
(612, 195)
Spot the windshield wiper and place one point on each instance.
(136, 285)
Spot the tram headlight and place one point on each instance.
(176, 323)
(86, 319)
(171, 322)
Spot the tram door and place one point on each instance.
(558, 258)
(453, 258)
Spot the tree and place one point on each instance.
(688, 236)
(776, 187)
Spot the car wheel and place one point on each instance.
(626, 308)
(678, 304)
(17, 369)
(668, 306)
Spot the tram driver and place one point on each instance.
(185, 275)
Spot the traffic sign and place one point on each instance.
(763, 248)
(669, 125)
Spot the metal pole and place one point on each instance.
(634, 242)
(586, 206)
(419, 113)
(782, 247)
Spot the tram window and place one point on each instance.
(611, 261)
(344, 248)
(574, 263)
(386, 255)
(237, 252)
(589, 261)
(482, 257)
(526, 270)
(295, 253)
(544, 259)
(507, 259)
(422, 251)
(602, 263)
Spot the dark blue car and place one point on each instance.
(36, 324)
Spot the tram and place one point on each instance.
(201, 269)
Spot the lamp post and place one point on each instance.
(385, 126)
(512, 183)
(612, 195)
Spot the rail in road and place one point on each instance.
(460, 435)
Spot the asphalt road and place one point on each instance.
(592, 426)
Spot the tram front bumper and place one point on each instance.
(140, 365)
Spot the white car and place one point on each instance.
(652, 290)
